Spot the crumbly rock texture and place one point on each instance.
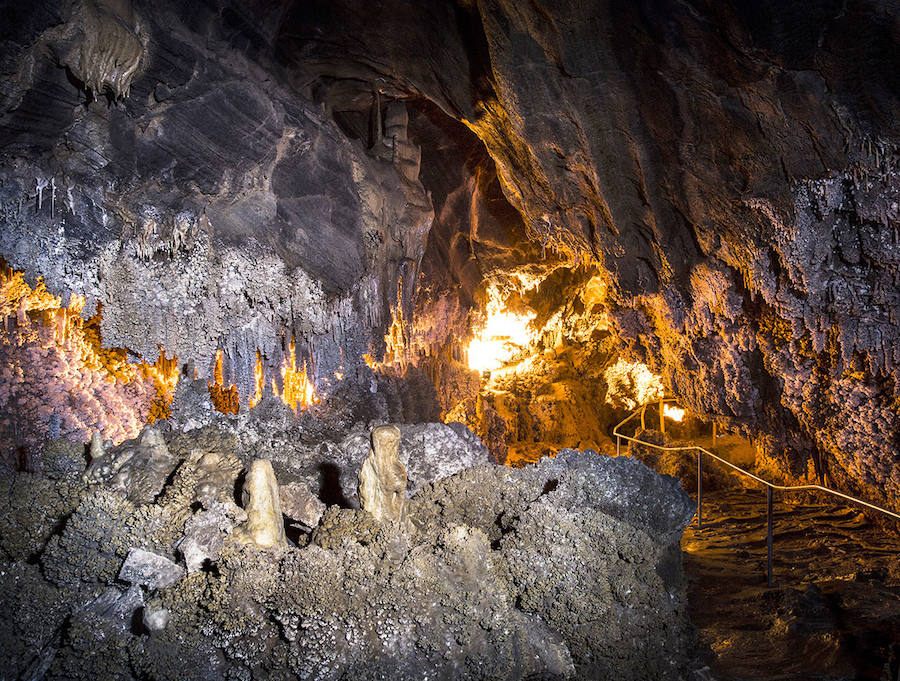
(569, 568)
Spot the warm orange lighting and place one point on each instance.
(504, 335)
(298, 388)
(224, 398)
(56, 368)
(254, 399)
(632, 384)
(673, 412)
(338, 376)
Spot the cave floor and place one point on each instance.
(835, 610)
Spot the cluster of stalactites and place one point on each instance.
(56, 379)
(104, 47)
(291, 381)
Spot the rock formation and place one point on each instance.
(558, 570)
(265, 524)
(382, 478)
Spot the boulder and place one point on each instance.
(150, 570)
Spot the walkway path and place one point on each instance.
(835, 611)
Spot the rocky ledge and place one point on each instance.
(569, 568)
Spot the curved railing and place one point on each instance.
(770, 486)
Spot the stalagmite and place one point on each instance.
(382, 478)
(265, 526)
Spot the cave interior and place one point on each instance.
(322, 319)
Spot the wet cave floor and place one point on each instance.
(834, 612)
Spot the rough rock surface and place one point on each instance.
(144, 568)
(463, 597)
(730, 169)
(138, 468)
(428, 451)
(213, 208)
(205, 533)
(382, 478)
(298, 503)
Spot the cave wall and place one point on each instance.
(728, 165)
(199, 200)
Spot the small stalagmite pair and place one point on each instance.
(382, 491)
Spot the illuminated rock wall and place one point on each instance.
(730, 166)
(57, 381)
(214, 211)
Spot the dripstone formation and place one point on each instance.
(559, 570)
(382, 478)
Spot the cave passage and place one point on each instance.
(322, 318)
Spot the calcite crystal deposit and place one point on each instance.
(559, 570)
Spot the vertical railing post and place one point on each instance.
(769, 514)
(662, 417)
(714, 435)
(699, 488)
(618, 444)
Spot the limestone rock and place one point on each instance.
(151, 570)
(382, 478)
(265, 524)
(298, 503)
(429, 452)
(155, 619)
(116, 605)
(104, 46)
(137, 468)
(206, 531)
(216, 476)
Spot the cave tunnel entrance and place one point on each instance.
(514, 338)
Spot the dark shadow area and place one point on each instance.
(330, 492)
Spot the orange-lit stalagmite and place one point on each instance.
(224, 398)
(259, 382)
(299, 390)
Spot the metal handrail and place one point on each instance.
(770, 486)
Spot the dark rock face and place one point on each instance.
(213, 208)
(732, 171)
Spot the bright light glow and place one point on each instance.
(673, 412)
(224, 398)
(505, 335)
(254, 399)
(632, 384)
(298, 388)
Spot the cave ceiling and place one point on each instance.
(729, 168)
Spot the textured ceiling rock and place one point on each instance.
(213, 208)
(729, 165)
